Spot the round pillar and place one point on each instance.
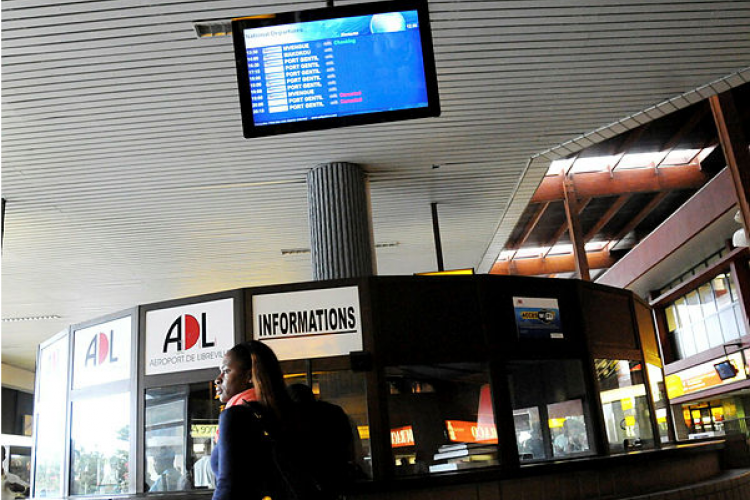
(340, 231)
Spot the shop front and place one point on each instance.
(712, 398)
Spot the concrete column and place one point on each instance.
(340, 229)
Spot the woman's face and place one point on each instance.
(232, 379)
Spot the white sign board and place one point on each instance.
(310, 323)
(101, 353)
(189, 337)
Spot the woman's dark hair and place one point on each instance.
(268, 379)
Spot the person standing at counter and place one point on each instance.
(254, 456)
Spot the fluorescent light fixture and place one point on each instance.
(31, 318)
(216, 27)
(297, 251)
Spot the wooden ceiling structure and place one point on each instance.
(612, 204)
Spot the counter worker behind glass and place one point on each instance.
(251, 385)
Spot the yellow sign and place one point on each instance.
(627, 403)
(363, 431)
(556, 423)
(630, 421)
(451, 272)
(203, 430)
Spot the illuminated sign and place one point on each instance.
(101, 353)
(703, 376)
(310, 323)
(402, 436)
(460, 431)
(189, 337)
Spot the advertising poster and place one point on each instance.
(537, 318)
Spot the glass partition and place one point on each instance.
(624, 404)
(659, 395)
(181, 423)
(347, 390)
(100, 447)
(441, 418)
(50, 411)
(551, 413)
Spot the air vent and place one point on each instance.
(31, 318)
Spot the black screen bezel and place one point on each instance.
(249, 128)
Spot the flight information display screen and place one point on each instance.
(334, 69)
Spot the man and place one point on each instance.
(169, 478)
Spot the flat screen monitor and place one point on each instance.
(725, 370)
(334, 67)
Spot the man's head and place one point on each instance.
(163, 459)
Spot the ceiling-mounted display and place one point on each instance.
(334, 67)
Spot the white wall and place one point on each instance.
(17, 378)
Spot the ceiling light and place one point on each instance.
(217, 27)
(31, 318)
(297, 251)
(294, 251)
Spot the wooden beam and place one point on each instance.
(530, 226)
(553, 264)
(611, 211)
(638, 180)
(734, 145)
(575, 232)
(563, 228)
(650, 206)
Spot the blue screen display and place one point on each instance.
(335, 67)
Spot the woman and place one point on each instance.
(258, 408)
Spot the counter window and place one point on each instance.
(181, 422)
(624, 404)
(347, 390)
(50, 419)
(100, 445)
(550, 410)
(441, 418)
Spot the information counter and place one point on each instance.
(457, 379)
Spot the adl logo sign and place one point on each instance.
(185, 332)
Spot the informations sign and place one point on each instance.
(310, 323)
(101, 353)
(189, 337)
(537, 318)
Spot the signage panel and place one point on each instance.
(703, 376)
(402, 436)
(189, 337)
(101, 353)
(537, 318)
(310, 323)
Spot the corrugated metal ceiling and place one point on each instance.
(128, 181)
